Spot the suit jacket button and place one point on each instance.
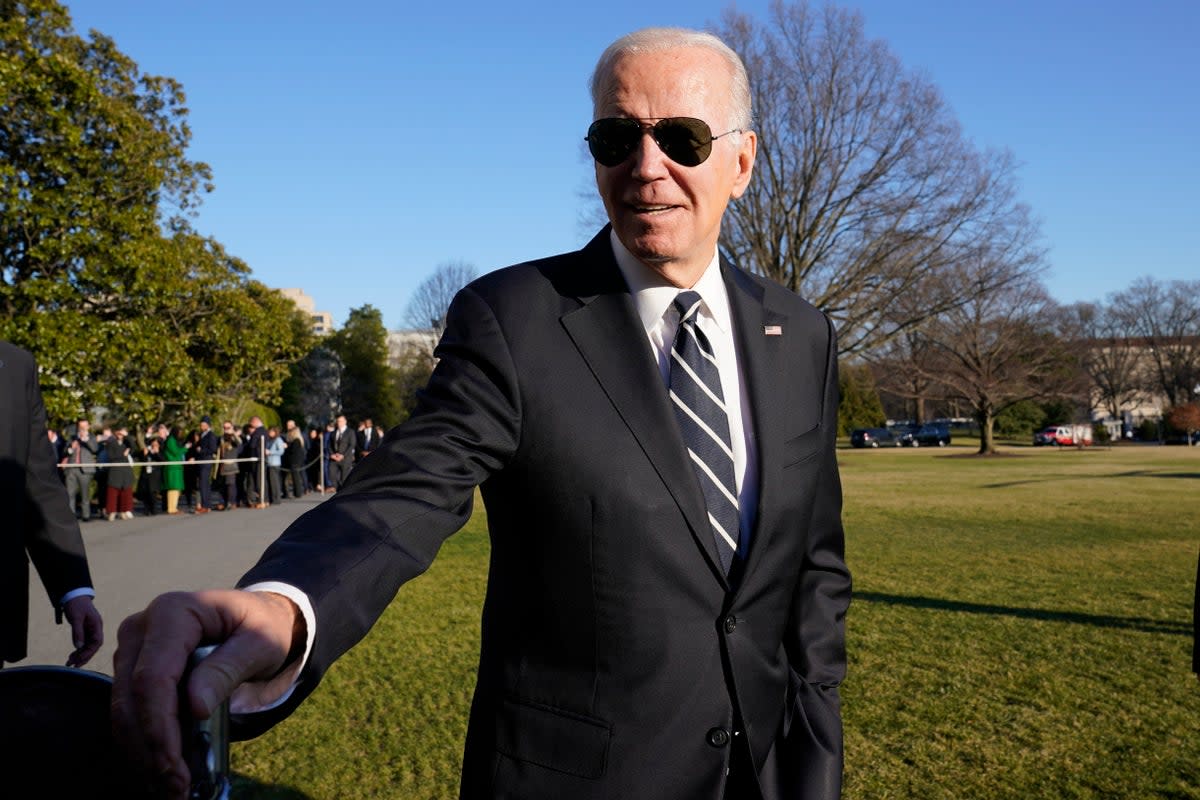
(718, 737)
(730, 624)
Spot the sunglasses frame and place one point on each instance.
(657, 128)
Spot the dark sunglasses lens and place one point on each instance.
(684, 140)
(611, 140)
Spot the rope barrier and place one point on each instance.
(156, 463)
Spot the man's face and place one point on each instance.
(666, 214)
(227, 428)
(83, 426)
(204, 426)
(341, 422)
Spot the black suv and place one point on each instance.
(873, 437)
(931, 433)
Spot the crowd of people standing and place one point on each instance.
(168, 470)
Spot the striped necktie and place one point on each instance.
(695, 388)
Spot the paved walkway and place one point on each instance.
(136, 559)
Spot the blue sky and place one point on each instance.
(356, 146)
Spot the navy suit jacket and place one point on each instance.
(38, 525)
(616, 656)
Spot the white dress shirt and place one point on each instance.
(654, 298)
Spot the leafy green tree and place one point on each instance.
(312, 392)
(101, 274)
(367, 380)
(1059, 410)
(1019, 420)
(860, 406)
(411, 375)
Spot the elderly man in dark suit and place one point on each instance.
(653, 433)
(39, 525)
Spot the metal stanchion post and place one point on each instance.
(262, 473)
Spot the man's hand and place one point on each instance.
(87, 629)
(254, 631)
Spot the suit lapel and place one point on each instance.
(761, 333)
(603, 329)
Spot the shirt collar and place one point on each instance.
(653, 294)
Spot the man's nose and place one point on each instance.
(649, 161)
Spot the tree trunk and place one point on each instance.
(987, 443)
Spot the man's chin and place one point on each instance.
(649, 250)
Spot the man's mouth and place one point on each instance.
(641, 208)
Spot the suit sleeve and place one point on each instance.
(816, 637)
(351, 554)
(52, 536)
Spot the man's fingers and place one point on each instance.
(262, 624)
(152, 651)
(87, 630)
(253, 631)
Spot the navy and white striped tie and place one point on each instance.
(695, 388)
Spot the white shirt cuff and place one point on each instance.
(254, 696)
(85, 591)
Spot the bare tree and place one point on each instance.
(1166, 317)
(999, 347)
(902, 369)
(865, 188)
(905, 361)
(1110, 357)
(428, 305)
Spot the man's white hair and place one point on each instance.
(657, 40)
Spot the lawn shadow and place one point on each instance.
(1139, 473)
(244, 788)
(1143, 624)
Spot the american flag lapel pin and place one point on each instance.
(773, 330)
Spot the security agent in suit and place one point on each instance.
(39, 524)
(368, 439)
(206, 450)
(620, 657)
(343, 443)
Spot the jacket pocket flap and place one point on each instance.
(553, 738)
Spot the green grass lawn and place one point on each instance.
(1020, 629)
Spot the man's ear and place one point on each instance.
(747, 150)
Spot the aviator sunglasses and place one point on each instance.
(684, 140)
